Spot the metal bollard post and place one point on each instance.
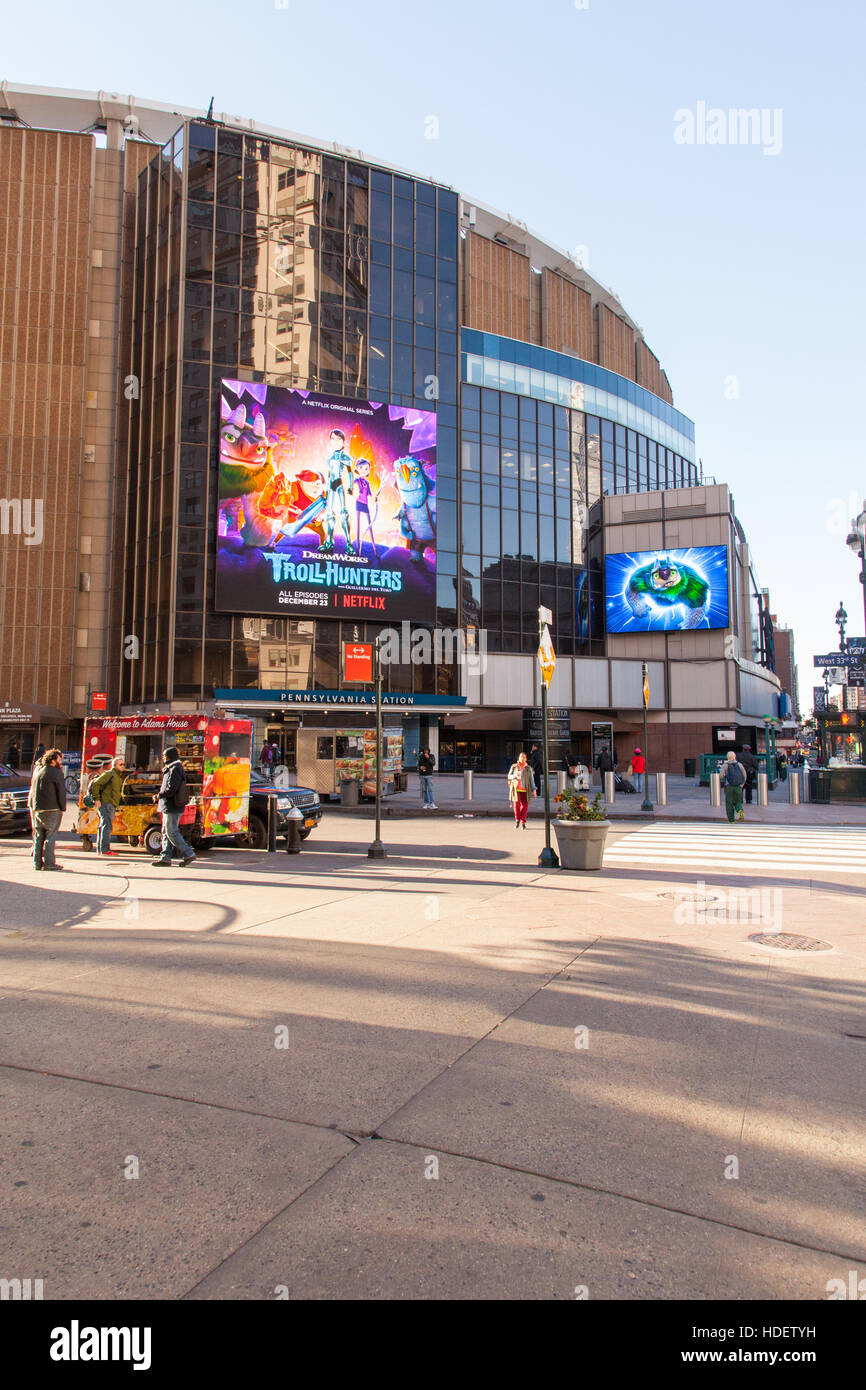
(272, 824)
(293, 839)
(467, 785)
(794, 787)
(661, 789)
(715, 789)
(762, 788)
(561, 781)
(609, 788)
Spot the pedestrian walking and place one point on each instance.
(569, 765)
(266, 757)
(638, 767)
(39, 754)
(749, 762)
(521, 785)
(733, 779)
(173, 797)
(13, 754)
(46, 802)
(106, 790)
(426, 765)
(536, 762)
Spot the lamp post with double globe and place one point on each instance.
(856, 543)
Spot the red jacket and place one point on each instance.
(638, 763)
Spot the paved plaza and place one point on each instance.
(450, 1074)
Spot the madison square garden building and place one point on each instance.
(337, 399)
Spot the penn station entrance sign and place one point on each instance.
(340, 699)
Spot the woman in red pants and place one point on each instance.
(521, 785)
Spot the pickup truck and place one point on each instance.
(261, 790)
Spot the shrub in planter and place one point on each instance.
(581, 830)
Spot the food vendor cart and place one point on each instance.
(215, 753)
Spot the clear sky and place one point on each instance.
(744, 268)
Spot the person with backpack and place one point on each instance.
(733, 779)
(173, 797)
(106, 791)
(46, 802)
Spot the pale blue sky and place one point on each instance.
(734, 263)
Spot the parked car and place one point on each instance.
(261, 790)
(14, 789)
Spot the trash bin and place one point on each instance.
(819, 785)
(349, 791)
(690, 767)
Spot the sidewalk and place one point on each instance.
(686, 801)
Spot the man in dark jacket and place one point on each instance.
(426, 766)
(749, 763)
(47, 802)
(173, 797)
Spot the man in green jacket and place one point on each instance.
(106, 790)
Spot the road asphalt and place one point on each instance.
(446, 1075)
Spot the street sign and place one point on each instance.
(546, 657)
(358, 662)
(819, 698)
(99, 701)
(838, 659)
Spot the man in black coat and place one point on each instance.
(47, 802)
(748, 761)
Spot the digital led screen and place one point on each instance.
(667, 590)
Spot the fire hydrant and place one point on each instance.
(293, 839)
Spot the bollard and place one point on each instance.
(762, 788)
(561, 781)
(715, 790)
(794, 787)
(661, 789)
(609, 788)
(293, 839)
(467, 785)
(272, 824)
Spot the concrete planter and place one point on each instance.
(581, 842)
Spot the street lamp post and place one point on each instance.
(856, 543)
(841, 620)
(548, 858)
(377, 849)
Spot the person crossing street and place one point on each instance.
(733, 779)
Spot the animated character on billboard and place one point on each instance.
(366, 487)
(667, 584)
(245, 470)
(336, 481)
(417, 514)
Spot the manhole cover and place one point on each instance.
(787, 941)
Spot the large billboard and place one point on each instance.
(326, 505)
(667, 590)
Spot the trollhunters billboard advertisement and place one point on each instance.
(327, 505)
(667, 590)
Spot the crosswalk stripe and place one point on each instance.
(818, 850)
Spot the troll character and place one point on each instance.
(417, 514)
(666, 584)
(245, 469)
